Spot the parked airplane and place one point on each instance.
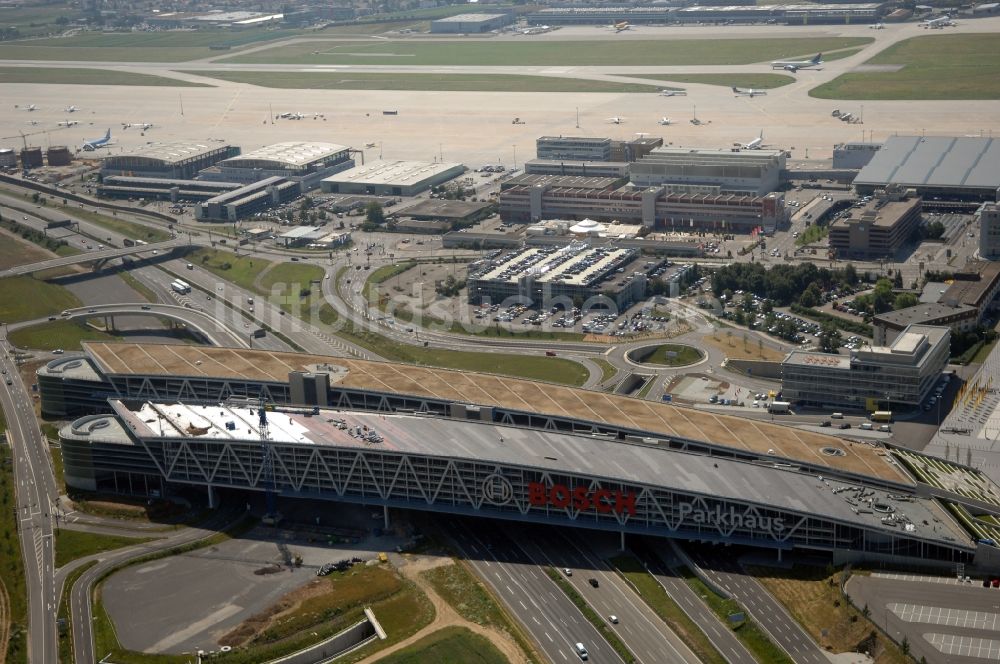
(67, 123)
(748, 92)
(71, 109)
(138, 125)
(93, 144)
(620, 26)
(673, 93)
(795, 65)
(877, 26)
(665, 121)
(29, 107)
(616, 120)
(756, 143)
(291, 116)
(939, 22)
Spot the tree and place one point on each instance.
(374, 213)
(905, 300)
(897, 280)
(904, 646)
(850, 274)
(829, 338)
(811, 296)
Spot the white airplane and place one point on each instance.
(748, 92)
(795, 65)
(665, 121)
(756, 143)
(143, 126)
(939, 22)
(616, 120)
(673, 93)
(291, 116)
(95, 143)
(71, 109)
(877, 26)
(29, 107)
(68, 123)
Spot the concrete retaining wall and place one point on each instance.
(755, 368)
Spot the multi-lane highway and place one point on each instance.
(554, 622)
(725, 572)
(36, 493)
(647, 637)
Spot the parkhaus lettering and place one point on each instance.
(582, 498)
(731, 519)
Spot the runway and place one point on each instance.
(476, 127)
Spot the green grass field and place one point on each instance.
(166, 46)
(11, 563)
(26, 298)
(37, 19)
(811, 234)
(14, 251)
(451, 645)
(73, 544)
(934, 67)
(68, 76)
(514, 53)
(760, 81)
(298, 275)
(63, 334)
(683, 355)
(241, 270)
(408, 81)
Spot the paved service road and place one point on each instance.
(36, 493)
(718, 564)
(532, 597)
(719, 634)
(642, 631)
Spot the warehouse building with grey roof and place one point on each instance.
(946, 167)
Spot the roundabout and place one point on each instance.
(666, 355)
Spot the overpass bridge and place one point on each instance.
(214, 330)
(93, 257)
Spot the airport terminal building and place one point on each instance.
(156, 417)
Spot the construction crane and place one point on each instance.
(271, 516)
(24, 137)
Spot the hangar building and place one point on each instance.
(470, 23)
(948, 167)
(486, 446)
(392, 178)
(306, 163)
(178, 160)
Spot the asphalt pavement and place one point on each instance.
(36, 494)
(553, 621)
(719, 565)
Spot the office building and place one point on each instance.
(247, 200)
(956, 317)
(870, 378)
(750, 172)
(988, 220)
(878, 228)
(853, 156)
(566, 167)
(573, 148)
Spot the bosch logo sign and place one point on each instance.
(497, 490)
(582, 498)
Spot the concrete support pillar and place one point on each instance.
(779, 555)
(212, 502)
(621, 545)
(385, 516)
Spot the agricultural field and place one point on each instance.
(409, 81)
(932, 67)
(567, 53)
(73, 76)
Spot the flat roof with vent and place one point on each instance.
(399, 173)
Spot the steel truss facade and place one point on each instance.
(466, 486)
